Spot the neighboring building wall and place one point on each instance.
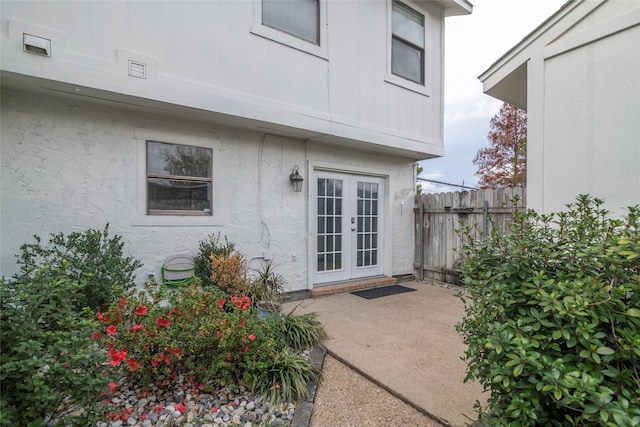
(68, 165)
(592, 123)
(578, 77)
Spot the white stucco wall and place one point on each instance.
(216, 56)
(68, 165)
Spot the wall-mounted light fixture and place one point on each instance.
(296, 180)
(36, 45)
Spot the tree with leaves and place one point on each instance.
(504, 162)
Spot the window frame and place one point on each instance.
(396, 79)
(182, 212)
(288, 39)
(217, 217)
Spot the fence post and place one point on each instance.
(421, 234)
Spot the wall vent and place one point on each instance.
(138, 69)
(36, 45)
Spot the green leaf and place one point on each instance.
(633, 312)
(517, 370)
(605, 351)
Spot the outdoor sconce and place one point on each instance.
(296, 180)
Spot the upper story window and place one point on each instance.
(407, 43)
(179, 179)
(299, 18)
(300, 24)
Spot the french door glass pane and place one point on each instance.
(329, 231)
(367, 238)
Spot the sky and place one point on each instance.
(472, 43)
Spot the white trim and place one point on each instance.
(406, 84)
(277, 36)
(141, 136)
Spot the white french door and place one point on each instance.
(349, 219)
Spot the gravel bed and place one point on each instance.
(188, 407)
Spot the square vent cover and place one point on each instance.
(138, 69)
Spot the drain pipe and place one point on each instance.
(421, 234)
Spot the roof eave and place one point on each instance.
(506, 78)
(456, 7)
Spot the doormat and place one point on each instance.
(382, 291)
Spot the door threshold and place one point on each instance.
(352, 285)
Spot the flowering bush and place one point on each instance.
(198, 333)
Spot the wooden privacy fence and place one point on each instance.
(438, 216)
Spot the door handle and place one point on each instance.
(353, 229)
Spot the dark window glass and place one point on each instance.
(178, 179)
(407, 47)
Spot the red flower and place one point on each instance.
(242, 322)
(158, 409)
(246, 348)
(163, 321)
(133, 364)
(252, 337)
(175, 351)
(174, 310)
(122, 303)
(112, 387)
(117, 356)
(96, 336)
(142, 310)
(220, 304)
(180, 407)
(144, 416)
(66, 364)
(229, 357)
(136, 328)
(102, 318)
(111, 330)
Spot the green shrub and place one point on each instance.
(202, 261)
(91, 258)
(286, 377)
(267, 285)
(299, 331)
(553, 318)
(50, 369)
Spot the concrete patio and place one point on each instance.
(406, 343)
